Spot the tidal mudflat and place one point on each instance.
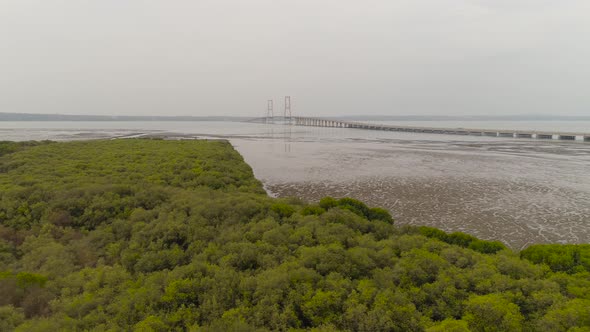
(519, 192)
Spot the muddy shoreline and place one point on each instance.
(517, 191)
(487, 210)
(507, 192)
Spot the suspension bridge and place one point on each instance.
(332, 123)
(288, 119)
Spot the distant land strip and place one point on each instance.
(65, 117)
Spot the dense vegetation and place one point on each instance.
(153, 235)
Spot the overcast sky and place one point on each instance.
(334, 57)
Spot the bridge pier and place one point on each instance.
(544, 136)
(317, 122)
(567, 137)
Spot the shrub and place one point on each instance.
(282, 209)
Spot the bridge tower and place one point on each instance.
(269, 111)
(287, 115)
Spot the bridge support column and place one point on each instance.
(567, 137)
(544, 136)
(317, 122)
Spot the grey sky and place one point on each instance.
(227, 57)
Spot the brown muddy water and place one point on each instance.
(518, 191)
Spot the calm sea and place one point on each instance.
(58, 130)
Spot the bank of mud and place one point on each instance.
(516, 192)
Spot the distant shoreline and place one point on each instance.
(103, 118)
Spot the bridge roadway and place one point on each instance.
(319, 122)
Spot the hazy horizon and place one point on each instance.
(227, 57)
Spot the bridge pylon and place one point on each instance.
(269, 111)
(287, 114)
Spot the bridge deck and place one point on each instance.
(323, 122)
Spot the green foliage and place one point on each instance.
(151, 324)
(10, 318)
(327, 203)
(566, 316)
(486, 247)
(463, 240)
(357, 207)
(379, 214)
(7, 147)
(560, 258)
(312, 210)
(450, 325)
(353, 205)
(25, 280)
(156, 235)
(492, 312)
(282, 209)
